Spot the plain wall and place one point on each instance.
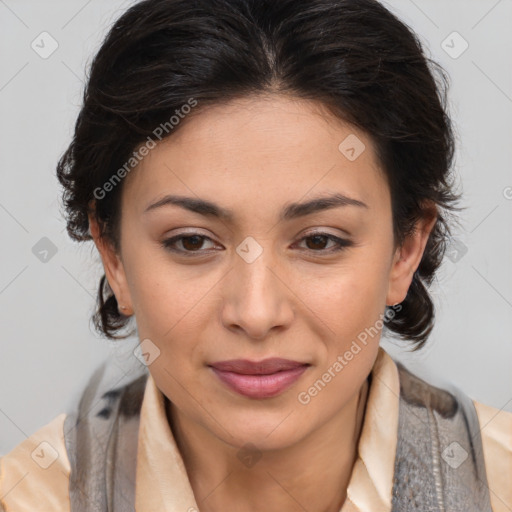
(49, 348)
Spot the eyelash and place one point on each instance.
(341, 243)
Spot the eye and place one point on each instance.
(191, 242)
(320, 239)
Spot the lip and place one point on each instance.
(259, 379)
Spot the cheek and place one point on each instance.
(174, 306)
(166, 296)
(352, 303)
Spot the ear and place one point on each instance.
(408, 256)
(113, 266)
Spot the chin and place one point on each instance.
(264, 432)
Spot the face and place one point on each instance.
(254, 275)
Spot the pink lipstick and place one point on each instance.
(259, 379)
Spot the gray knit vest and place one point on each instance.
(439, 464)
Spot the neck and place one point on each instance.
(310, 475)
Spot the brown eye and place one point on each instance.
(190, 243)
(317, 242)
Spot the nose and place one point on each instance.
(257, 299)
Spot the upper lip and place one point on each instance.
(264, 367)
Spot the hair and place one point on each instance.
(355, 57)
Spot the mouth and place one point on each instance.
(259, 379)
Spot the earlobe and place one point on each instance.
(407, 258)
(113, 266)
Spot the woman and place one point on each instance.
(269, 186)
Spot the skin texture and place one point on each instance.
(297, 300)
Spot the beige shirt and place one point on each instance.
(34, 476)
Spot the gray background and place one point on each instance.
(49, 348)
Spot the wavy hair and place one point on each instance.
(354, 56)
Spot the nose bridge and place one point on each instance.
(257, 299)
(254, 266)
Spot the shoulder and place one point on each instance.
(496, 431)
(446, 413)
(34, 475)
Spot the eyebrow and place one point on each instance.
(289, 212)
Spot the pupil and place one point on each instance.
(317, 239)
(186, 242)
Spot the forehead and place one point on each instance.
(261, 149)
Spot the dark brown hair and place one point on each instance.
(354, 56)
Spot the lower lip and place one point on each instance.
(260, 386)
